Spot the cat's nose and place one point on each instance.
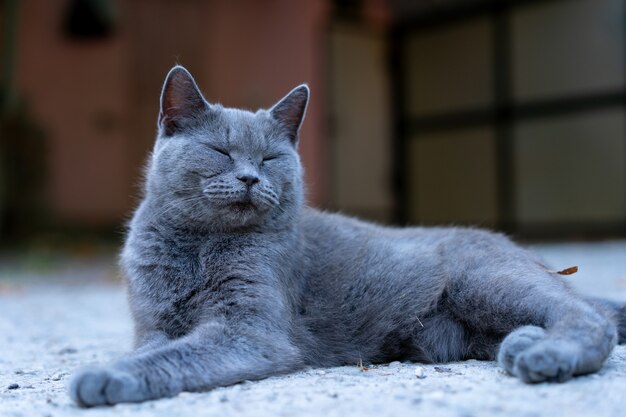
(249, 180)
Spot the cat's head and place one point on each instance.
(221, 167)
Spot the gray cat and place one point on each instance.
(232, 278)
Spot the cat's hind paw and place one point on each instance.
(105, 386)
(547, 361)
(517, 342)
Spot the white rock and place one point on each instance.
(420, 372)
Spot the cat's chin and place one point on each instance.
(243, 211)
(241, 214)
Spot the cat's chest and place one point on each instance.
(230, 255)
(194, 281)
(214, 265)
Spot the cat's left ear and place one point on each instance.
(289, 111)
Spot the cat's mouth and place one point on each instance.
(243, 206)
(248, 202)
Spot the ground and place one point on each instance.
(65, 313)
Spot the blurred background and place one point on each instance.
(502, 114)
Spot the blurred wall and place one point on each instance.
(97, 99)
(360, 111)
(78, 93)
(499, 114)
(513, 115)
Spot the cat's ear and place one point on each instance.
(289, 111)
(181, 101)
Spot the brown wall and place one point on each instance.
(77, 93)
(97, 101)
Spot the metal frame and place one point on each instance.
(502, 114)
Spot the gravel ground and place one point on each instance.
(75, 314)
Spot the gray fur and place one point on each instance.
(232, 278)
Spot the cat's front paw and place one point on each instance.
(105, 386)
(547, 361)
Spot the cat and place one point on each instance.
(231, 277)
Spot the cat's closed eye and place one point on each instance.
(270, 158)
(219, 150)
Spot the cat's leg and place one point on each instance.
(213, 355)
(552, 334)
(616, 311)
(150, 340)
(578, 342)
(551, 338)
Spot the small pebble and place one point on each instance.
(25, 372)
(394, 364)
(59, 376)
(13, 386)
(420, 372)
(442, 369)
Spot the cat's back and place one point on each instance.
(334, 232)
(342, 249)
(342, 252)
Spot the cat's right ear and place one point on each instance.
(181, 101)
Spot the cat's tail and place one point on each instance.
(616, 310)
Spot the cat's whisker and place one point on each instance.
(268, 195)
(175, 204)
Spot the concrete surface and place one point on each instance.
(74, 313)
